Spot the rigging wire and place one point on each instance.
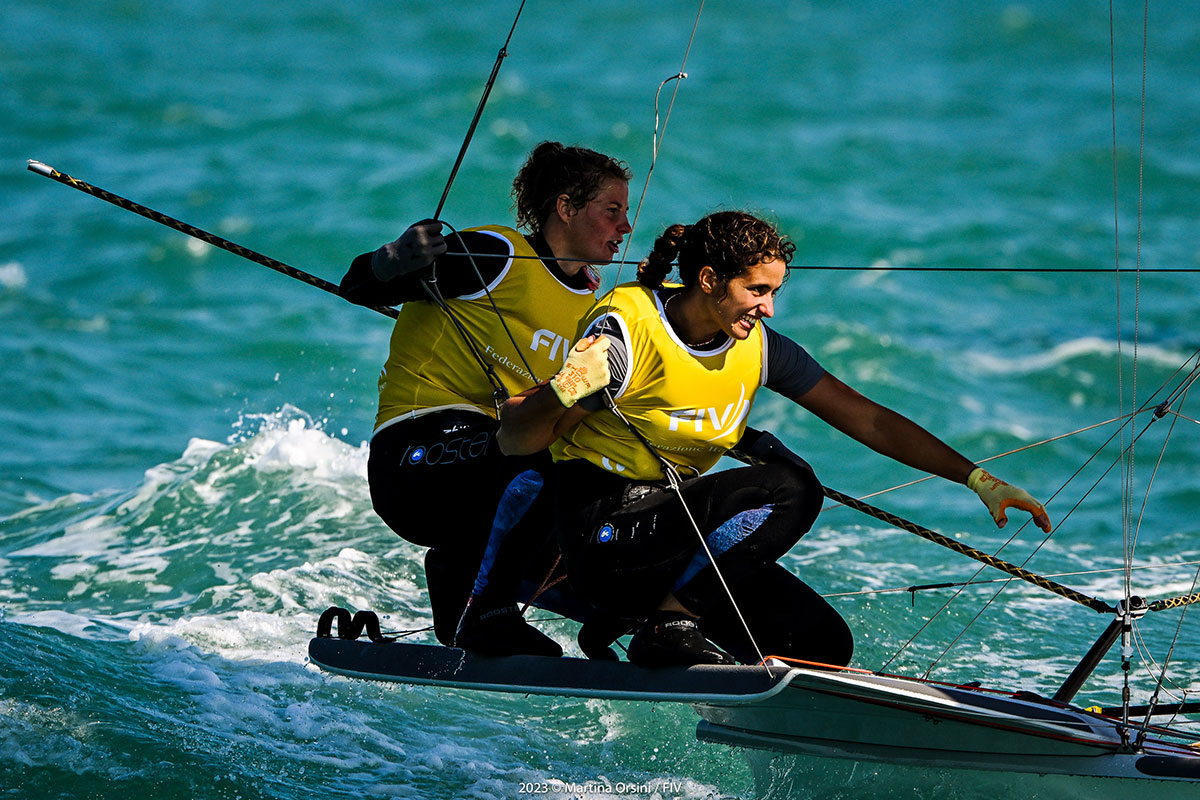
(1127, 453)
(673, 481)
(620, 262)
(656, 143)
(500, 392)
(196, 233)
(1173, 395)
(487, 90)
(1128, 536)
(670, 470)
(1116, 197)
(1184, 416)
(488, 292)
(1162, 409)
(1153, 474)
(657, 139)
(1014, 451)
(1162, 673)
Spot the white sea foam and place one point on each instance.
(76, 625)
(43, 735)
(290, 440)
(1069, 351)
(72, 570)
(90, 537)
(12, 276)
(246, 683)
(196, 455)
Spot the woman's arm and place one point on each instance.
(883, 430)
(396, 273)
(532, 420)
(899, 438)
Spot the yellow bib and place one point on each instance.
(691, 405)
(431, 366)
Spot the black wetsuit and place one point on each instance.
(436, 479)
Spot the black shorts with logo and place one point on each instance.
(436, 481)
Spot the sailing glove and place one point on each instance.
(586, 370)
(999, 496)
(416, 249)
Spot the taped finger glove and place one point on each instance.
(586, 370)
(999, 496)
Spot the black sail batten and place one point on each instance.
(196, 233)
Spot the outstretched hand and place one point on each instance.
(586, 371)
(999, 496)
(416, 249)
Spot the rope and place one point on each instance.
(499, 393)
(669, 469)
(656, 140)
(966, 550)
(546, 584)
(488, 292)
(924, 587)
(1159, 412)
(1175, 602)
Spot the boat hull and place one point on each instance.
(906, 722)
(783, 711)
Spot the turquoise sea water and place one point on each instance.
(182, 432)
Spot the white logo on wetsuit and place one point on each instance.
(545, 336)
(461, 448)
(611, 466)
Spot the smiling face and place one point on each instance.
(748, 297)
(593, 233)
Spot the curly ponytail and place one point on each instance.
(657, 266)
(728, 241)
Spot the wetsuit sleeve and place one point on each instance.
(455, 275)
(790, 370)
(618, 360)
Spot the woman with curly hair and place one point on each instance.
(485, 313)
(680, 367)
